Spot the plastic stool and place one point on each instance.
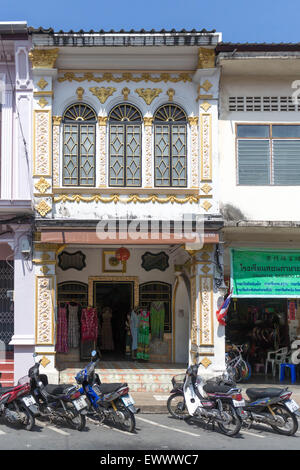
(292, 367)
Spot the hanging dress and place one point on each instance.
(89, 324)
(157, 320)
(62, 330)
(143, 336)
(134, 325)
(106, 336)
(73, 327)
(128, 338)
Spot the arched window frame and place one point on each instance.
(168, 119)
(79, 131)
(125, 127)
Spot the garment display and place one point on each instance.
(89, 324)
(106, 336)
(62, 330)
(128, 337)
(157, 320)
(73, 326)
(134, 325)
(143, 335)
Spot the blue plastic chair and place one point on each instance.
(292, 368)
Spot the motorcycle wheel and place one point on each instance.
(291, 421)
(78, 420)
(128, 423)
(176, 406)
(29, 420)
(233, 427)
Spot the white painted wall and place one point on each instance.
(274, 203)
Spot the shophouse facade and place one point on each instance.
(16, 275)
(125, 134)
(260, 168)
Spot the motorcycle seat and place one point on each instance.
(109, 388)
(4, 390)
(57, 390)
(216, 388)
(256, 393)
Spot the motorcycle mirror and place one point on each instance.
(93, 353)
(34, 354)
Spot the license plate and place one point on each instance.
(80, 403)
(128, 400)
(29, 400)
(292, 405)
(238, 402)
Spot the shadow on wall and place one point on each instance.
(231, 213)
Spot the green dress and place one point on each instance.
(143, 336)
(157, 319)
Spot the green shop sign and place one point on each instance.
(265, 273)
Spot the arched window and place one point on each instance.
(125, 146)
(79, 145)
(170, 147)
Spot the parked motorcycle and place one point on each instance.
(17, 405)
(58, 402)
(272, 406)
(111, 401)
(213, 401)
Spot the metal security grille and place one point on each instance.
(79, 146)
(125, 126)
(170, 140)
(6, 305)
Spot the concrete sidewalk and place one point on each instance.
(156, 402)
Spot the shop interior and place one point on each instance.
(261, 325)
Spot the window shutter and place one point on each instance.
(286, 162)
(254, 162)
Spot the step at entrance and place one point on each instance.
(140, 377)
(6, 372)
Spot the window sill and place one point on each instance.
(131, 190)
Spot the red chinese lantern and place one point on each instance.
(122, 254)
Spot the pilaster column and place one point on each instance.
(204, 339)
(45, 306)
(194, 121)
(43, 62)
(102, 123)
(148, 122)
(56, 122)
(207, 79)
(6, 144)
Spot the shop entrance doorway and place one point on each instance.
(113, 301)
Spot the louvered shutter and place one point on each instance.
(253, 162)
(286, 162)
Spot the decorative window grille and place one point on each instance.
(125, 146)
(170, 154)
(79, 145)
(262, 103)
(154, 292)
(268, 154)
(6, 305)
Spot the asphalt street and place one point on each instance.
(157, 432)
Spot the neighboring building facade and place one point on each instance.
(259, 155)
(16, 275)
(125, 130)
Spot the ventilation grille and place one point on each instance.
(262, 103)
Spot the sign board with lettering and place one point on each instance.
(265, 273)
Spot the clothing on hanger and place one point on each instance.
(157, 319)
(89, 324)
(134, 325)
(143, 335)
(62, 330)
(106, 336)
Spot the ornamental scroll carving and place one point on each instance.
(55, 150)
(148, 146)
(43, 58)
(206, 150)
(44, 314)
(194, 151)
(42, 166)
(206, 311)
(102, 120)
